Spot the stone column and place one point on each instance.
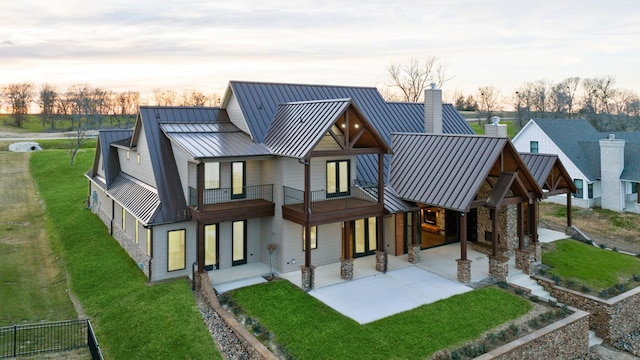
(308, 278)
(499, 267)
(464, 270)
(346, 269)
(538, 252)
(414, 254)
(525, 260)
(381, 261)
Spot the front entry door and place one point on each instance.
(211, 247)
(239, 240)
(365, 239)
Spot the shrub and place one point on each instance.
(556, 279)
(636, 277)
(620, 287)
(585, 289)
(534, 323)
(603, 246)
(604, 294)
(493, 338)
(534, 298)
(615, 249)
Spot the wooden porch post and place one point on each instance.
(346, 239)
(379, 219)
(199, 206)
(520, 226)
(415, 224)
(534, 227)
(307, 211)
(569, 209)
(200, 247)
(494, 231)
(200, 185)
(463, 235)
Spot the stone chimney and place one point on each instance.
(611, 167)
(495, 129)
(433, 110)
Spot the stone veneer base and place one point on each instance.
(346, 269)
(308, 277)
(464, 270)
(381, 261)
(499, 267)
(414, 254)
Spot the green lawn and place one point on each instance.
(479, 129)
(133, 320)
(588, 265)
(309, 329)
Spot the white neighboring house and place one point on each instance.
(605, 167)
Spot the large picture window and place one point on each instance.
(210, 246)
(338, 178)
(239, 243)
(211, 175)
(176, 250)
(238, 180)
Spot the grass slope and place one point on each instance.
(32, 280)
(132, 319)
(586, 264)
(311, 330)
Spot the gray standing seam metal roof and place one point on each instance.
(298, 127)
(442, 170)
(259, 103)
(109, 154)
(215, 140)
(540, 165)
(138, 198)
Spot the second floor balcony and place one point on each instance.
(355, 203)
(234, 203)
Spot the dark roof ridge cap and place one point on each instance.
(414, 102)
(448, 135)
(300, 84)
(180, 107)
(317, 101)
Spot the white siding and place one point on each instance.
(329, 248)
(328, 143)
(160, 256)
(272, 226)
(236, 116)
(294, 172)
(532, 132)
(142, 171)
(100, 170)
(389, 229)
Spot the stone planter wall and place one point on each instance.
(129, 245)
(611, 319)
(564, 339)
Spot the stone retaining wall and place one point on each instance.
(564, 339)
(250, 343)
(611, 319)
(134, 251)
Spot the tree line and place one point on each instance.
(82, 106)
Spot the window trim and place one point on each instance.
(244, 180)
(337, 192)
(531, 147)
(216, 250)
(590, 190)
(184, 249)
(216, 182)
(244, 247)
(579, 194)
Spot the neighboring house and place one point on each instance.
(605, 167)
(299, 166)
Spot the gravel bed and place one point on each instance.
(629, 343)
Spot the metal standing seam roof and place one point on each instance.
(259, 103)
(139, 199)
(109, 155)
(298, 127)
(442, 170)
(540, 165)
(203, 141)
(393, 203)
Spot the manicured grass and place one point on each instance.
(33, 286)
(309, 329)
(589, 265)
(132, 319)
(479, 129)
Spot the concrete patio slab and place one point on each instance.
(232, 285)
(378, 296)
(548, 235)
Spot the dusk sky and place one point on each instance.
(201, 45)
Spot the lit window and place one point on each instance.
(212, 175)
(137, 232)
(337, 178)
(314, 238)
(148, 241)
(176, 253)
(124, 219)
(128, 154)
(138, 157)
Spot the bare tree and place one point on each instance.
(414, 76)
(165, 97)
(488, 102)
(124, 107)
(19, 97)
(193, 98)
(48, 100)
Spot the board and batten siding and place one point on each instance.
(225, 242)
(272, 225)
(293, 172)
(183, 164)
(142, 171)
(236, 116)
(100, 170)
(101, 204)
(160, 250)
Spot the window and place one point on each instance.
(124, 219)
(128, 154)
(338, 178)
(212, 175)
(590, 190)
(138, 158)
(533, 147)
(238, 180)
(176, 253)
(579, 191)
(210, 246)
(314, 238)
(239, 243)
(148, 241)
(365, 237)
(634, 188)
(137, 232)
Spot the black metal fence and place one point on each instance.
(58, 336)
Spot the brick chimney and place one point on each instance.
(611, 167)
(495, 129)
(433, 110)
